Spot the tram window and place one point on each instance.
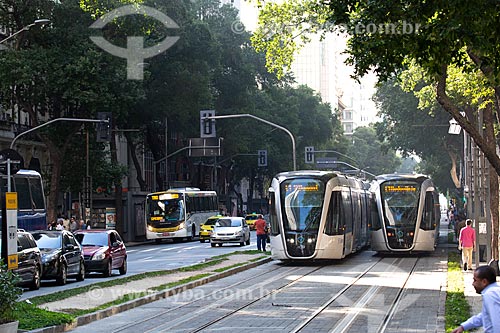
(37, 193)
(23, 193)
(332, 226)
(273, 218)
(375, 219)
(428, 214)
(347, 210)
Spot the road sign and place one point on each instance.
(11, 217)
(262, 158)
(309, 155)
(104, 129)
(205, 147)
(207, 126)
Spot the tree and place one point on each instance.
(58, 72)
(423, 132)
(443, 35)
(372, 155)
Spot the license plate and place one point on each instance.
(166, 234)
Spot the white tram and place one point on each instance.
(409, 214)
(318, 215)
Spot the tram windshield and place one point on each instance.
(400, 202)
(301, 202)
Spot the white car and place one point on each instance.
(230, 230)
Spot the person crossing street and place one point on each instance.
(260, 228)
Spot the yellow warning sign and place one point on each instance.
(12, 261)
(11, 200)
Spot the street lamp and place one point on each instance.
(40, 22)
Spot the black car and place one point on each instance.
(62, 255)
(29, 259)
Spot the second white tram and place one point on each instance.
(409, 213)
(318, 215)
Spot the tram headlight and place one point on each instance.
(390, 234)
(410, 234)
(291, 240)
(310, 240)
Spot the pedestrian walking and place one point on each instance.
(73, 226)
(484, 282)
(60, 224)
(260, 228)
(467, 242)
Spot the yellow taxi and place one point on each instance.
(207, 227)
(250, 219)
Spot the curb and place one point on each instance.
(101, 314)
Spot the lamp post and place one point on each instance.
(40, 22)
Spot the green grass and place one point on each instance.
(32, 317)
(223, 269)
(457, 309)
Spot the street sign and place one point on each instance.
(309, 155)
(11, 210)
(205, 147)
(262, 158)
(104, 129)
(207, 126)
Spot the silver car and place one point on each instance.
(230, 230)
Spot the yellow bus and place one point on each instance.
(177, 214)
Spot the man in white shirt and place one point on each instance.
(484, 282)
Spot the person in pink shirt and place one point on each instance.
(467, 242)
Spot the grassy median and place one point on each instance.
(457, 309)
(32, 316)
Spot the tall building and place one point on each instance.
(321, 65)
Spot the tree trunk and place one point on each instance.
(132, 149)
(494, 200)
(445, 101)
(53, 198)
(453, 170)
(118, 189)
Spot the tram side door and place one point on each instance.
(347, 217)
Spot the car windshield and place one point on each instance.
(48, 241)
(92, 239)
(229, 223)
(210, 222)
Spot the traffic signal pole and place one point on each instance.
(266, 122)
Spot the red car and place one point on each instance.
(103, 251)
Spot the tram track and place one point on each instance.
(208, 296)
(335, 298)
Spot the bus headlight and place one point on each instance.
(182, 225)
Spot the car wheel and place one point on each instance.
(109, 269)
(63, 276)
(35, 283)
(123, 269)
(212, 244)
(81, 274)
(202, 241)
(248, 240)
(242, 243)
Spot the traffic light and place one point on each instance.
(262, 158)
(103, 128)
(207, 126)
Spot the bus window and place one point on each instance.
(23, 193)
(37, 193)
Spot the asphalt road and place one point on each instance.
(150, 257)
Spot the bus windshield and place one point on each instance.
(400, 202)
(169, 209)
(301, 202)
